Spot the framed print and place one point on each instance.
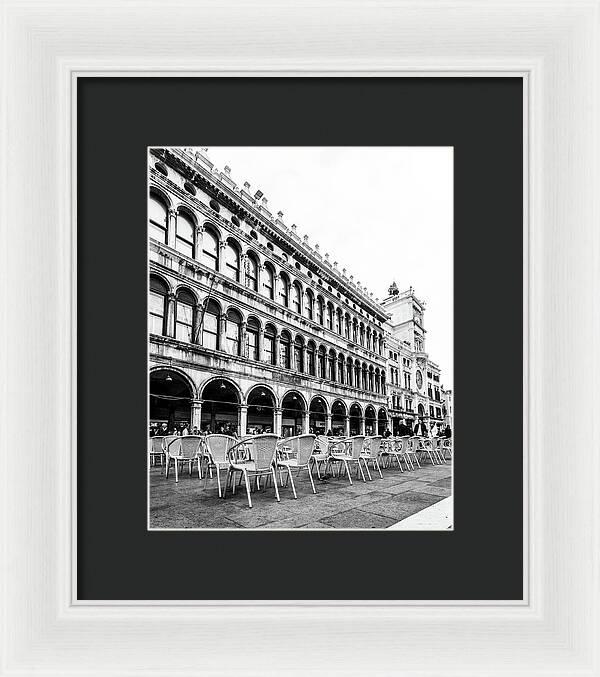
(280, 252)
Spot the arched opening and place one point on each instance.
(252, 332)
(338, 418)
(311, 358)
(331, 364)
(210, 249)
(355, 419)
(157, 219)
(220, 407)
(297, 298)
(341, 362)
(370, 421)
(284, 290)
(299, 354)
(252, 272)
(184, 315)
(285, 347)
(234, 326)
(309, 304)
(320, 310)
(321, 362)
(232, 260)
(349, 371)
(269, 344)
(292, 409)
(261, 411)
(317, 419)
(210, 326)
(382, 422)
(170, 401)
(157, 306)
(185, 234)
(268, 282)
(421, 410)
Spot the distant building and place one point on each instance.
(251, 329)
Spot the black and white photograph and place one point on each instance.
(300, 338)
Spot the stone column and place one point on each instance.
(277, 356)
(261, 339)
(197, 414)
(172, 228)
(170, 327)
(243, 419)
(304, 422)
(221, 262)
(196, 338)
(277, 430)
(347, 425)
(199, 241)
(243, 337)
(362, 425)
(328, 422)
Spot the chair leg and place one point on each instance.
(366, 462)
(361, 470)
(275, 483)
(293, 485)
(311, 479)
(219, 481)
(378, 468)
(348, 470)
(247, 487)
(167, 464)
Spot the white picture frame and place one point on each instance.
(553, 46)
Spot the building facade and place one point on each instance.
(251, 329)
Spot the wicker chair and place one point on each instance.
(447, 448)
(216, 454)
(370, 452)
(409, 451)
(321, 452)
(348, 451)
(392, 448)
(181, 450)
(253, 457)
(295, 453)
(436, 449)
(156, 449)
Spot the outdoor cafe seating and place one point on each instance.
(269, 457)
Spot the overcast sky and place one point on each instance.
(384, 214)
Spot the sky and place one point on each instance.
(384, 214)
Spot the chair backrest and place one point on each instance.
(156, 444)
(373, 445)
(262, 450)
(186, 446)
(302, 445)
(167, 439)
(218, 447)
(322, 444)
(356, 445)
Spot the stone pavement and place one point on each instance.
(337, 505)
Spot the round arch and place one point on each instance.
(339, 415)
(370, 420)
(161, 195)
(221, 399)
(382, 421)
(356, 416)
(171, 394)
(293, 411)
(317, 415)
(261, 401)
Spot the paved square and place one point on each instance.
(376, 504)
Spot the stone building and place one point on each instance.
(252, 329)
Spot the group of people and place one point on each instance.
(405, 428)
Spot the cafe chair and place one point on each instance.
(295, 453)
(182, 450)
(320, 452)
(156, 449)
(348, 451)
(370, 452)
(216, 454)
(253, 458)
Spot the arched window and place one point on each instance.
(252, 272)
(322, 360)
(355, 330)
(210, 326)
(340, 368)
(383, 384)
(268, 283)
(232, 260)
(234, 325)
(331, 365)
(371, 387)
(158, 306)
(362, 334)
(309, 304)
(311, 358)
(297, 298)
(252, 339)
(210, 249)
(329, 316)
(339, 322)
(347, 326)
(285, 347)
(357, 375)
(299, 355)
(365, 378)
(157, 219)
(184, 234)
(377, 382)
(320, 310)
(349, 371)
(184, 316)
(368, 338)
(269, 344)
(284, 290)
